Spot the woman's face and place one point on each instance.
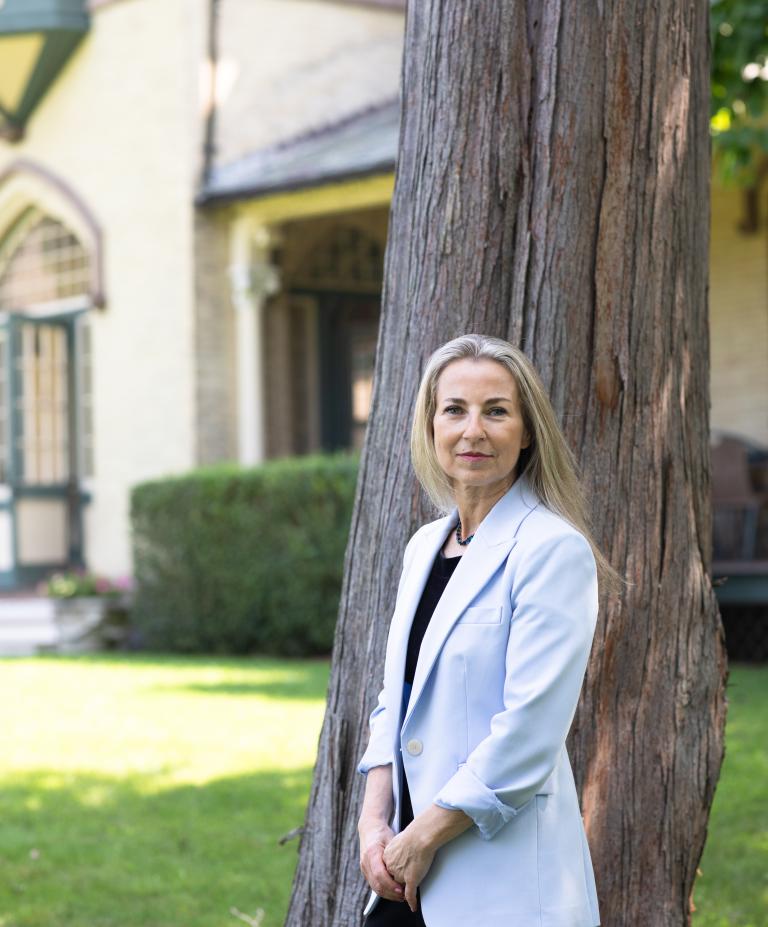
(478, 428)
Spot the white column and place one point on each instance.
(253, 280)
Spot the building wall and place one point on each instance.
(215, 348)
(121, 128)
(289, 67)
(738, 320)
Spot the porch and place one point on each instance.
(740, 543)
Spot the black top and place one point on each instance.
(441, 572)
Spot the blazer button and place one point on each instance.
(414, 747)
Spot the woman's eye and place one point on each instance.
(453, 408)
(498, 409)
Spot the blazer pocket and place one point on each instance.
(481, 615)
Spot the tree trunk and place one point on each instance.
(552, 189)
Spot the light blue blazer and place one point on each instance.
(497, 681)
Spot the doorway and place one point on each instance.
(43, 498)
(348, 326)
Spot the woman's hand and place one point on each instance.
(375, 833)
(374, 838)
(408, 859)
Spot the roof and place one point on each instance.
(362, 144)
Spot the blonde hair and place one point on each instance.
(548, 462)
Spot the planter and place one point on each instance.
(78, 621)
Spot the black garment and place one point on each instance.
(397, 913)
(394, 914)
(441, 572)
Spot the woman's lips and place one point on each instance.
(475, 456)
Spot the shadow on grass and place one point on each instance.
(304, 686)
(85, 850)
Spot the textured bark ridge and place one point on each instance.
(552, 188)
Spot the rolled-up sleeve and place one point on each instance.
(379, 749)
(554, 611)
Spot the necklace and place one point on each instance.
(458, 535)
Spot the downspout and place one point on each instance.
(209, 135)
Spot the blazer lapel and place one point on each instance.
(487, 551)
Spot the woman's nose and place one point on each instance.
(474, 427)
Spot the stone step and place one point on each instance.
(26, 625)
(25, 648)
(25, 609)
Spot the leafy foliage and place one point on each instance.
(243, 560)
(73, 583)
(739, 92)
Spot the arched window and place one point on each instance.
(46, 430)
(41, 262)
(51, 280)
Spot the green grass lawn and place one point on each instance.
(732, 890)
(152, 792)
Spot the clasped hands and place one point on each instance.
(394, 865)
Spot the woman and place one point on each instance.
(486, 655)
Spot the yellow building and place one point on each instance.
(122, 325)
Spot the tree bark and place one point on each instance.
(553, 189)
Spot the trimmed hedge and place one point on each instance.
(235, 560)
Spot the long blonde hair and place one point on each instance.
(548, 462)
